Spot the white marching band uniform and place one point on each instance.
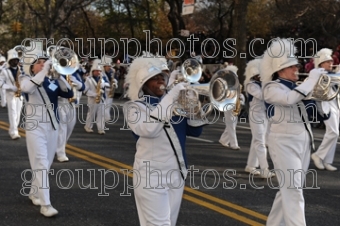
(8, 84)
(3, 91)
(290, 136)
(67, 117)
(229, 137)
(110, 77)
(157, 146)
(96, 111)
(258, 122)
(324, 156)
(41, 126)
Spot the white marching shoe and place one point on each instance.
(265, 173)
(63, 159)
(252, 170)
(329, 167)
(35, 200)
(225, 145)
(317, 161)
(89, 130)
(48, 211)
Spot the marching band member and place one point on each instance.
(257, 121)
(2, 91)
(41, 136)
(94, 90)
(324, 156)
(160, 145)
(290, 136)
(67, 115)
(228, 137)
(109, 91)
(79, 75)
(9, 81)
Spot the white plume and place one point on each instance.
(323, 55)
(277, 57)
(252, 69)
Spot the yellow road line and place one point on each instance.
(112, 164)
(226, 203)
(221, 210)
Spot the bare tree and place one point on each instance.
(52, 14)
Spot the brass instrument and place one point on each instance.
(64, 61)
(17, 83)
(99, 90)
(112, 88)
(222, 93)
(323, 90)
(69, 81)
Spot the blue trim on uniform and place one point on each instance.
(182, 128)
(53, 95)
(14, 72)
(291, 85)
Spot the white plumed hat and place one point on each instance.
(2, 59)
(106, 61)
(30, 57)
(12, 54)
(158, 60)
(141, 70)
(96, 65)
(278, 56)
(322, 56)
(252, 69)
(232, 68)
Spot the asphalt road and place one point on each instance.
(86, 192)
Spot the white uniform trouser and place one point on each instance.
(258, 151)
(3, 97)
(41, 147)
(95, 114)
(326, 150)
(289, 152)
(229, 134)
(160, 203)
(14, 105)
(108, 104)
(67, 121)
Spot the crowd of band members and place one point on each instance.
(38, 88)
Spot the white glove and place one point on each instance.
(47, 65)
(63, 84)
(307, 86)
(90, 93)
(9, 87)
(102, 85)
(5, 87)
(115, 83)
(167, 102)
(77, 84)
(39, 78)
(316, 73)
(173, 76)
(13, 88)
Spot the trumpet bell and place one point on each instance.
(191, 70)
(224, 90)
